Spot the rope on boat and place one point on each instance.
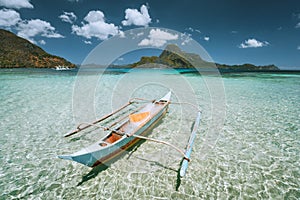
(187, 103)
(161, 142)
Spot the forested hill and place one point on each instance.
(17, 52)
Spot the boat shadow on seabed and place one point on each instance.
(104, 166)
(133, 143)
(100, 168)
(93, 173)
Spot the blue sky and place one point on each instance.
(231, 31)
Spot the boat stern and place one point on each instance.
(65, 157)
(85, 159)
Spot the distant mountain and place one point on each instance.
(247, 67)
(174, 57)
(16, 52)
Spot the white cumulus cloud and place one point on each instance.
(253, 43)
(186, 38)
(190, 29)
(135, 17)
(16, 4)
(122, 34)
(42, 42)
(198, 31)
(87, 42)
(68, 17)
(298, 48)
(206, 38)
(9, 17)
(158, 38)
(297, 25)
(140, 34)
(95, 26)
(36, 27)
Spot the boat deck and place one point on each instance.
(129, 127)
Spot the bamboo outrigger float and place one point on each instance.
(127, 133)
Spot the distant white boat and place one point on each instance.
(59, 68)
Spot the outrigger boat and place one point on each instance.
(128, 133)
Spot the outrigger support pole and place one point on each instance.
(98, 120)
(79, 128)
(184, 164)
(188, 151)
(187, 154)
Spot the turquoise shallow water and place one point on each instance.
(254, 154)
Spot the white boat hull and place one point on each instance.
(96, 154)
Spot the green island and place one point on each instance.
(178, 59)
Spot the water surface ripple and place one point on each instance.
(256, 155)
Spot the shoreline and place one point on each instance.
(180, 70)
